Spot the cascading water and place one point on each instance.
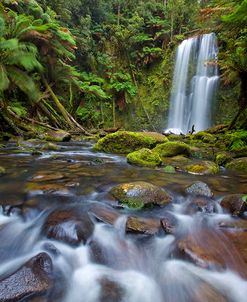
(194, 84)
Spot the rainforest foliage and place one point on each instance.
(107, 63)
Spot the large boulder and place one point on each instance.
(124, 142)
(140, 194)
(238, 165)
(144, 158)
(234, 204)
(170, 149)
(199, 188)
(32, 279)
(71, 226)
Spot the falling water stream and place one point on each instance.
(113, 264)
(194, 84)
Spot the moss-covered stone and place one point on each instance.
(222, 158)
(2, 171)
(170, 149)
(124, 142)
(50, 147)
(203, 167)
(238, 165)
(56, 136)
(140, 194)
(169, 169)
(144, 158)
(205, 137)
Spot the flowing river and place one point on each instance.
(98, 253)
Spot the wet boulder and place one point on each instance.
(71, 226)
(140, 194)
(110, 291)
(234, 204)
(144, 158)
(203, 168)
(199, 188)
(57, 136)
(149, 226)
(171, 149)
(105, 214)
(238, 165)
(32, 279)
(124, 142)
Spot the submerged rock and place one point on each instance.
(238, 165)
(124, 142)
(171, 149)
(234, 204)
(199, 188)
(32, 279)
(144, 158)
(140, 194)
(203, 168)
(71, 226)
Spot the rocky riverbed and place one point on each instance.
(77, 224)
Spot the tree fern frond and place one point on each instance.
(24, 82)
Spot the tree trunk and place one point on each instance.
(242, 101)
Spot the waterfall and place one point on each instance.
(194, 84)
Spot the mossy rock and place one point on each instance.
(235, 204)
(56, 136)
(178, 161)
(159, 138)
(2, 171)
(205, 137)
(171, 149)
(140, 194)
(203, 167)
(169, 169)
(144, 158)
(50, 147)
(238, 165)
(124, 142)
(222, 158)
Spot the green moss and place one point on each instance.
(133, 203)
(172, 149)
(238, 165)
(205, 137)
(50, 146)
(169, 169)
(203, 167)
(124, 142)
(144, 158)
(222, 158)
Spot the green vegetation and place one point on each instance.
(80, 64)
(144, 158)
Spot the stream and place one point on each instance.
(65, 238)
